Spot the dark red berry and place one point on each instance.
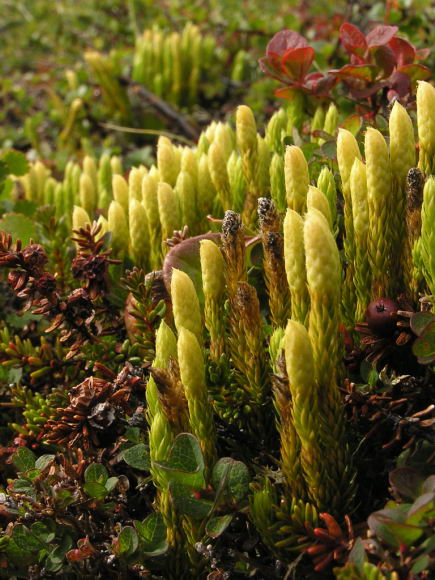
(381, 316)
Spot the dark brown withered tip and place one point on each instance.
(231, 224)
(415, 184)
(265, 205)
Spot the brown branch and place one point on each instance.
(164, 111)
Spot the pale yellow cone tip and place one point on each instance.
(191, 363)
(166, 345)
(317, 199)
(373, 134)
(185, 303)
(213, 269)
(80, 218)
(246, 129)
(345, 141)
(298, 354)
(322, 257)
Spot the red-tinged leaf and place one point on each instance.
(288, 92)
(352, 124)
(403, 50)
(381, 35)
(318, 84)
(416, 72)
(357, 59)
(85, 550)
(400, 85)
(364, 93)
(422, 53)
(385, 59)
(296, 62)
(272, 68)
(363, 72)
(353, 39)
(283, 41)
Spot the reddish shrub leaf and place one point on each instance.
(363, 93)
(85, 550)
(416, 72)
(385, 59)
(352, 124)
(422, 53)
(364, 72)
(400, 85)
(296, 62)
(403, 50)
(288, 92)
(381, 35)
(272, 67)
(319, 84)
(283, 41)
(353, 39)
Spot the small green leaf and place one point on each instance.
(25, 539)
(43, 532)
(369, 374)
(186, 463)
(95, 490)
(428, 545)
(390, 530)
(406, 482)
(236, 475)
(111, 483)
(24, 459)
(216, 526)
(357, 555)
(308, 150)
(424, 345)
(329, 149)
(33, 474)
(152, 534)
(54, 560)
(56, 557)
(23, 486)
(138, 457)
(16, 553)
(127, 541)
(96, 473)
(4, 542)
(419, 322)
(133, 434)
(422, 510)
(420, 564)
(63, 498)
(20, 226)
(187, 503)
(16, 163)
(43, 461)
(25, 207)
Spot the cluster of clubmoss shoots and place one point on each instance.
(259, 371)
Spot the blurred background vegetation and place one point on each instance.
(70, 70)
